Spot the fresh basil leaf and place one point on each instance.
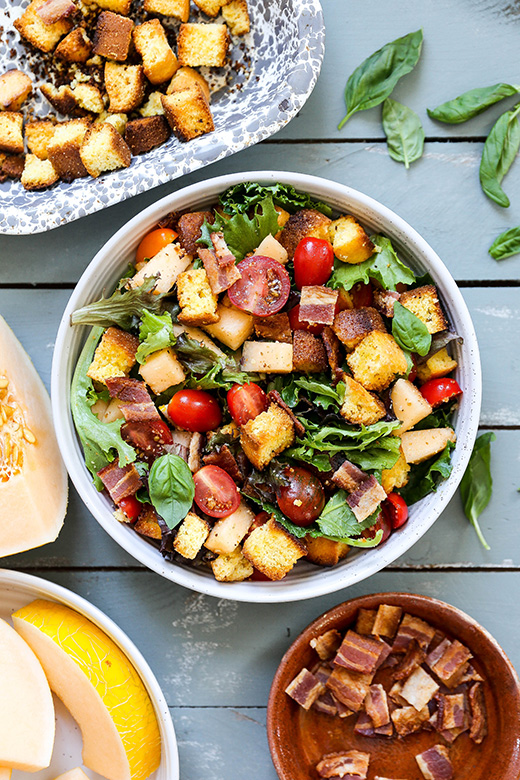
(404, 132)
(171, 488)
(507, 244)
(476, 486)
(471, 103)
(376, 77)
(384, 266)
(337, 518)
(409, 331)
(242, 233)
(156, 332)
(121, 308)
(425, 477)
(242, 197)
(321, 392)
(500, 150)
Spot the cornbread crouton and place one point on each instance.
(159, 61)
(236, 17)
(325, 552)
(153, 106)
(33, 28)
(64, 149)
(114, 355)
(186, 78)
(11, 132)
(113, 36)
(210, 7)
(196, 298)
(189, 229)
(438, 365)
(272, 550)
(38, 135)
(75, 47)
(103, 149)
(234, 326)
(421, 445)
(119, 121)
(117, 6)
(147, 523)
(397, 476)
(424, 303)
(167, 264)
(360, 407)
(15, 88)
(188, 113)
(162, 370)
(276, 327)
(332, 348)
(203, 44)
(349, 241)
(273, 357)
(89, 98)
(125, 87)
(11, 166)
(178, 8)
(146, 133)
(233, 567)
(228, 532)
(377, 360)
(352, 325)
(306, 222)
(309, 353)
(409, 405)
(267, 435)
(38, 174)
(192, 533)
(61, 98)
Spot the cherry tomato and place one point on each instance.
(258, 576)
(194, 410)
(313, 262)
(161, 432)
(382, 524)
(438, 391)
(297, 324)
(131, 508)
(246, 402)
(303, 499)
(215, 492)
(362, 294)
(395, 510)
(264, 287)
(153, 243)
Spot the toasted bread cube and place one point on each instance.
(272, 550)
(11, 132)
(189, 229)
(159, 61)
(377, 360)
(349, 241)
(75, 47)
(103, 149)
(233, 567)
(33, 28)
(186, 78)
(360, 407)
(203, 44)
(180, 9)
(38, 174)
(38, 135)
(61, 98)
(234, 326)
(118, 6)
(210, 7)
(438, 365)
(64, 149)
(114, 355)
(352, 325)
(113, 36)
(424, 303)
(89, 97)
(192, 533)
(421, 445)
(125, 87)
(188, 113)
(15, 88)
(267, 435)
(196, 299)
(162, 370)
(11, 166)
(309, 354)
(306, 222)
(119, 121)
(147, 523)
(270, 247)
(228, 532)
(397, 476)
(325, 552)
(146, 133)
(409, 405)
(167, 264)
(273, 357)
(236, 17)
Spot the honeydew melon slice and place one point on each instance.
(99, 686)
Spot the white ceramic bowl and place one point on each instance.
(306, 580)
(17, 590)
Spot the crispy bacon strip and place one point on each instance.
(452, 664)
(365, 617)
(413, 628)
(384, 301)
(275, 398)
(413, 658)
(326, 704)
(120, 482)
(180, 446)
(384, 655)
(305, 689)
(196, 442)
(366, 498)
(478, 710)
(327, 644)
(137, 405)
(419, 688)
(318, 304)
(451, 712)
(435, 763)
(376, 706)
(276, 327)
(407, 720)
(387, 621)
(220, 277)
(222, 251)
(365, 728)
(359, 653)
(54, 10)
(225, 459)
(334, 351)
(349, 687)
(349, 477)
(349, 763)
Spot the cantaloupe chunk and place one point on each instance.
(228, 532)
(99, 686)
(162, 370)
(26, 707)
(33, 479)
(270, 247)
(409, 405)
(72, 774)
(233, 328)
(5, 774)
(421, 445)
(167, 264)
(273, 357)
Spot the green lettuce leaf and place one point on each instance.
(122, 308)
(338, 519)
(242, 233)
(156, 332)
(426, 477)
(320, 391)
(242, 197)
(384, 266)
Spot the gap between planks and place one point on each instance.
(432, 139)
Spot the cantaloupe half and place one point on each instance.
(72, 774)
(5, 774)
(99, 686)
(33, 479)
(26, 706)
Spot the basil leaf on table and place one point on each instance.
(409, 331)
(376, 77)
(384, 266)
(476, 486)
(171, 488)
(121, 307)
(507, 244)
(404, 132)
(500, 150)
(471, 103)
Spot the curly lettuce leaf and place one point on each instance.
(156, 332)
(320, 391)
(242, 233)
(242, 197)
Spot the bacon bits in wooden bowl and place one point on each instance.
(395, 686)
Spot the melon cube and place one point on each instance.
(233, 327)
(409, 405)
(273, 357)
(162, 370)
(167, 264)
(228, 532)
(421, 445)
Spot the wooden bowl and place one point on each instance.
(298, 739)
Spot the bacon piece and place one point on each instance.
(359, 653)
(419, 689)
(120, 482)
(384, 301)
(305, 689)
(376, 705)
(349, 687)
(379, 777)
(478, 710)
(349, 477)
(326, 704)
(437, 653)
(196, 443)
(327, 644)
(275, 398)
(452, 664)
(144, 438)
(137, 405)
(387, 621)
(407, 720)
(222, 251)
(470, 675)
(225, 459)
(365, 617)
(384, 655)
(343, 710)
(395, 694)
(276, 327)
(366, 498)
(53, 10)
(413, 658)
(451, 713)
(413, 628)
(350, 763)
(435, 763)
(318, 304)
(334, 352)
(365, 728)
(220, 277)
(180, 446)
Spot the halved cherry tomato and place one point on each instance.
(313, 262)
(303, 499)
(362, 294)
(258, 576)
(382, 524)
(161, 432)
(153, 243)
(194, 410)
(246, 402)
(395, 510)
(215, 492)
(297, 324)
(131, 508)
(438, 391)
(264, 287)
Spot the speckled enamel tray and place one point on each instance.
(285, 46)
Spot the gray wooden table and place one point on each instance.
(214, 658)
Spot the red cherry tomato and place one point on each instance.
(438, 391)
(395, 510)
(382, 524)
(303, 499)
(313, 262)
(246, 402)
(362, 294)
(297, 324)
(131, 508)
(215, 492)
(153, 243)
(264, 287)
(161, 432)
(258, 576)
(194, 410)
